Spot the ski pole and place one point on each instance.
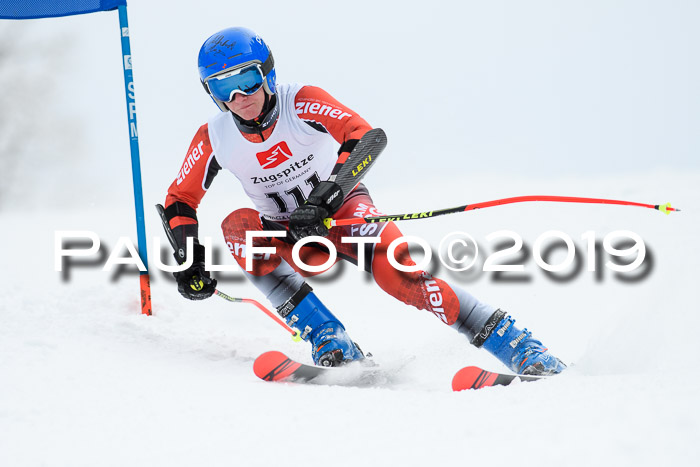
(665, 208)
(171, 237)
(296, 337)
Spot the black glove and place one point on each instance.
(195, 283)
(324, 200)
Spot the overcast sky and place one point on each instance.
(543, 89)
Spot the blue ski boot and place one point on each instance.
(331, 345)
(516, 349)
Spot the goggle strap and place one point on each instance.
(268, 65)
(206, 87)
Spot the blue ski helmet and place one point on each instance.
(232, 49)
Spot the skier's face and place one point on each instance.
(247, 107)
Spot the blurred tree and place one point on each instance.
(11, 125)
(30, 125)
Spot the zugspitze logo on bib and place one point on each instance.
(274, 156)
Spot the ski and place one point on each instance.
(276, 366)
(473, 377)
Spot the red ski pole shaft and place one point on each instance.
(665, 208)
(295, 334)
(171, 237)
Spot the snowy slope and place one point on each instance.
(89, 381)
(579, 99)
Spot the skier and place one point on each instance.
(280, 141)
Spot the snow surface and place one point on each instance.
(87, 380)
(583, 99)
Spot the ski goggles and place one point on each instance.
(243, 80)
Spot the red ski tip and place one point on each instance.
(274, 366)
(472, 377)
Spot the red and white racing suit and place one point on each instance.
(278, 168)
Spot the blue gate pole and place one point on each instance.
(135, 160)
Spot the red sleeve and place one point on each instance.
(192, 180)
(316, 107)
